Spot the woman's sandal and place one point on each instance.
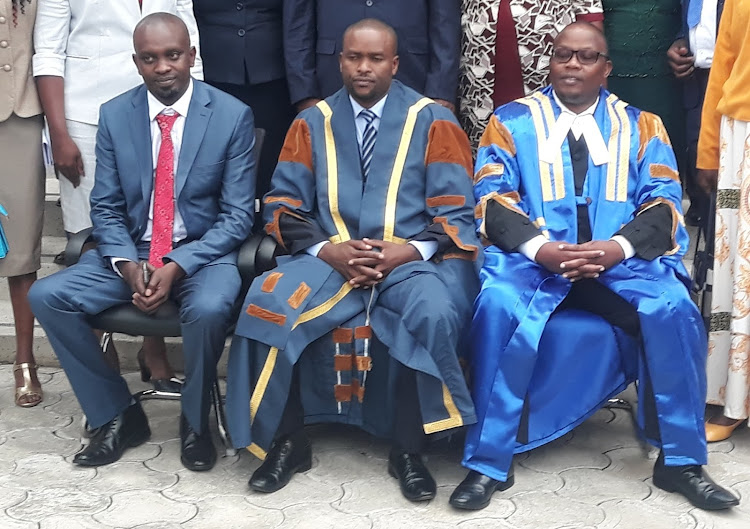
(29, 394)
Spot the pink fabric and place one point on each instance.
(163, 221)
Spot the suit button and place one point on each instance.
(240, 7)
(241, 33)
(7, 67)
(3, 43)
(368, 3)
(2, 20)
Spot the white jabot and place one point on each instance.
(703, 36)
(581, 124)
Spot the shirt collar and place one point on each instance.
(376, 109)
(181, 106)
(589, 110)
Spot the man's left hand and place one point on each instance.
(447, 104)
(391, 256)
(159, 287)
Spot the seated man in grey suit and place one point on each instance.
(172, 201)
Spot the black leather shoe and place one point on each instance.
(475, 491)
(693, 483)
(109, 441)
(197, 450)
(288, 455)
(167, 385)
(415, 480)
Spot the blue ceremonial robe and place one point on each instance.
(562, 379)
(419, 183)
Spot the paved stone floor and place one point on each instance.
(596, 476)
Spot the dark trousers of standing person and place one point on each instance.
(694, 93)
(273, 113)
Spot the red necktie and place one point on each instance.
(163, 216)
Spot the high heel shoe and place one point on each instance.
(164, 385)
(32, 391)
(720, 432)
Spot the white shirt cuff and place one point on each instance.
(426, 248)
(627, 248)
(532, 246)
(114, 260)
(315, 248)
(48, 64)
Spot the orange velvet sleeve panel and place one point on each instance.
(297, 146)
(448, 143)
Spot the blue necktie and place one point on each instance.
(368, 141)
(694, 12)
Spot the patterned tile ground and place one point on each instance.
(597, 476)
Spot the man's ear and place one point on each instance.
(341, 58)
(394, 68)
(192, 56)
(135, 61)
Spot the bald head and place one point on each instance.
(585, 31)
(375, 25)
(163, 55)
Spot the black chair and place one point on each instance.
(165, 322)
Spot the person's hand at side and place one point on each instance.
(354, 260)
(68, 159)
(680, 60)
(708, 179)
(159, 287)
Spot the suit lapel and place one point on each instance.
(140, 132)
(192, 137)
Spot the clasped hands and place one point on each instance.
(365, 263)
(149, 297)
(580, 261)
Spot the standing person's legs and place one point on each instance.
(693, 95)
(22, 184)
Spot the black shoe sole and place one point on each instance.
(501, 486)
(137, 440)
(668, 487)
(423, 497)
(302, 467)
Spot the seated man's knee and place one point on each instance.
(207, 309)
(44, 294)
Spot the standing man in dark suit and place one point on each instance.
(243, 54)
(174, 191)
(429, 45)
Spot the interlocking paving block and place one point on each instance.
(233, 511)
(485, 523)
(725, 446)
(58, 500)
(631, 463)
(124, 476)
(38, 471)
(6, 522)
(723, 468)
(194, 487)
(446, 470)
(157, 525)
(597, 486)
(17, 418)
(669, 501)
(405, 519)
(72, 522)
(336, 466)
(36, 441)
(541, 510)
(145, 452)
(302, 489)
(606, 430)
(558, 456)
(623, 514)
(121, 513)
(65, 404)
(321, 516)
(528, 480)
(168, 457)
(366, 496)
(10, 496)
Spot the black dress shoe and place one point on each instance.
(197, 450)
(475, 491)
(164, 385)
(415, 480)
(109, 441)
(287, 456)
(693, 483)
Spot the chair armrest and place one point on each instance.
(246, 257)
(74, 248)
(265, 259)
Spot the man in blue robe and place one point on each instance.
(579, 200)
(372, 197)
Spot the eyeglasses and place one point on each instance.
(564, 55)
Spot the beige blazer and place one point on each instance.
(17, 89)
(90, 44)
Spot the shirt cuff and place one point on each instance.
(426, 248)
(315, 248)
(48, 64)
(114, 260)
(627, 247)
(531, 247)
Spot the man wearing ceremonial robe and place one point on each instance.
(579, 200)
(372, 199)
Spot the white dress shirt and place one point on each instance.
(702, 37)
(425, 248)
(155, 107)
(582, 124)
